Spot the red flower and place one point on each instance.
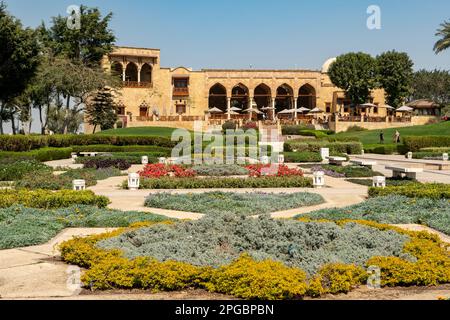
(258, 170)
(161, 170)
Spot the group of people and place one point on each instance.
(396, 137)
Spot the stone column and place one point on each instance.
(273, 108)
(295, 108)
(124, 69)
(228, 108)
(139, 73)
(250, 106)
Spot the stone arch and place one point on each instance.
(262, 95)
(146, 73)
(131, 72)
(117, 69)
(307, 97)
(284, 97)
(218, 97)
(240, 96)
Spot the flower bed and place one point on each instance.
(237, 256)
(225, 183)
(236, 203)
(220, 170)
(161, 170)
(50, 200)
(346, 172)
(393, 209)
(271, 170)
(101, 163)
(389, 181)
(415, 190)
(20, 226)
(12, 169)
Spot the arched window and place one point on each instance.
(117, 69)
(146, 73)
(306, 97)
(131, 72)
(262, 96)
(218, 97)
(240, 97)
(284, 98)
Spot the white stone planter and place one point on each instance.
(379, 182)
(445, 156)
(324, 153)
(74, 158)
(265, 160)
(144, 160)
(162, 160)
(79, 185)
(281, 159)
(133, 181)
(409, 155)
(319, 179)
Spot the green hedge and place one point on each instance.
(415, 190)
(423, 155)
(116, 149)
(13, 170)
(415, 143)
(294, 129)
(298, 157)
(44, 154)
(226, 183)
(385, 148)
(27, 143)
(315, 146)
(49, 199)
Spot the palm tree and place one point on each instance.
(444, 33)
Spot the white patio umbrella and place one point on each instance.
(235, 109)
(286, 111)
(233, 112)
(215, 110)
(267, 108)
(316, 110)
(387, 107)
(367, 105)
(302, 109)
(405, 109)
(251, 110)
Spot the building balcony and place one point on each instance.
(182, 91)
(136, 84)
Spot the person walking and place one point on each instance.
(397, 136)
(381, 136)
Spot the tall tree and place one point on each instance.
(355, 73)
(86, 45)
(102, 110)
(395, 72)
(19, 58)
(444, 33)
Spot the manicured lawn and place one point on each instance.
(372, 136)
(141, 131)
(237, 203)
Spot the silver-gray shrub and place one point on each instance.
(394, 209)
(218, 240)
(229, 202)
(220, 170)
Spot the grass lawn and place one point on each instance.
(140, 131)
(373, 136)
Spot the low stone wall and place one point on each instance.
(342, 126)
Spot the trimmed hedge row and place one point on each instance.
(226, 183)
(315, 146)
(298, 157)
(50, 200)
(44, 154)
(415, 143)
(385, 148)
(415, 190)
(27, 143)
(116, 149)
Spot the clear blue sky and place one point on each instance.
(265, 34)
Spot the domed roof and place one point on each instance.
(327, 65)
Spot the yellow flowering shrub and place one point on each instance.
(249, 279)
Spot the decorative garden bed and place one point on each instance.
(236, 203)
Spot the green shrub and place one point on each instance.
(350, 171)
(436, 150)
(12, 170)
(393, 209)
(427, 155)
(236, 203)
(389, 181)
(294, 130)
(356, 128)
(131, 158)
(21, 226)
(298, 157)
(415, 190)
(121, 149)
(27, 143)
(229, 125)
(315, 146)
(415, 143)
(226, 183)
(220, 170)
(335, 138)
(49, 200)
(44, 154)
